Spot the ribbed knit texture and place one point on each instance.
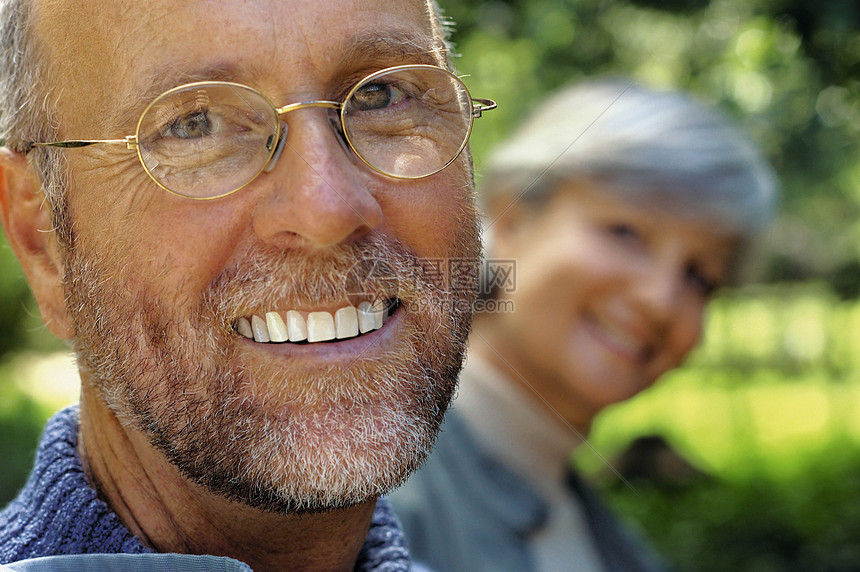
(384, 549)
(58, 512)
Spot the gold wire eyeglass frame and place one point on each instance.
(132, 141)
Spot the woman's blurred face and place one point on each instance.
(609, 296)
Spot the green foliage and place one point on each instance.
(13, 294)
(21, 422)
(786, 69)
(806, 524)
(768, 413)
(813, 332)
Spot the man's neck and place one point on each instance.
(171, 514)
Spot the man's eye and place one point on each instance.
(376, 96)
(191, 126)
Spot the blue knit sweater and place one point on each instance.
(59, 513)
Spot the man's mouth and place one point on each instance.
(311, 327)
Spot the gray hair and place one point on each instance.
(18, 75)
(662, 149)
(25, 111)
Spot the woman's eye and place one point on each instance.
(623, 231)
(699, 280)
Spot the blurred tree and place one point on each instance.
(21, 326)
(14, 294)
(801, 524)
(21, 422)
(787, 69)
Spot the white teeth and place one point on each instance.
(244, 327)
(277, 327)
(346, 323)
(369, 316)
(378, 313)
(297, 326)
(621, 338)
(320, 327)
(258, 326)
(365, 317)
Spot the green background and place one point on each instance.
(767, 412)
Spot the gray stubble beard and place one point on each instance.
(307, 443)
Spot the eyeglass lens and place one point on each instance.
(409, 123)
(208, 140)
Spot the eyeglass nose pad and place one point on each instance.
(278, 150)
(334, 121)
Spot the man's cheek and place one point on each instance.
(432, 223)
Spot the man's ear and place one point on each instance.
(26, 218)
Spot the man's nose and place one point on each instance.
(319, 191)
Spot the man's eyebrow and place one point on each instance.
(396, 47)
(371, 50)
(160, 81)
(170, 78)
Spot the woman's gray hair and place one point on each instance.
(661, 149)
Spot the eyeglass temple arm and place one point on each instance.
(130, 141)
(479, 106)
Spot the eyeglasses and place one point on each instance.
(205, 140)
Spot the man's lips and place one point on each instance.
(319, 326)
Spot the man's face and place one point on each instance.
(157, 285)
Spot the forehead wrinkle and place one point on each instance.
(368, 49)
(396, 47)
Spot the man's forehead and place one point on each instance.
(115, 46)
(367, 49)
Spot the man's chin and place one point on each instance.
(326, 471)
(348, 438)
